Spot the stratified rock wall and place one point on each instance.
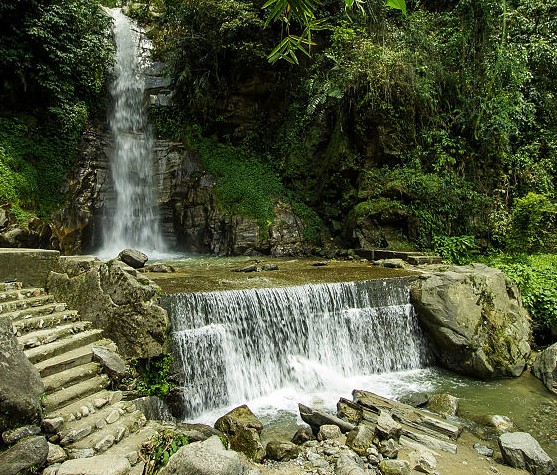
(475, 318)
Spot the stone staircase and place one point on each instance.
(83, 416)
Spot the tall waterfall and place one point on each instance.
(132, 220)
(235, 346)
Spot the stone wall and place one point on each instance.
(30, 266)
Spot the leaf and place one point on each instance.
(397, 5)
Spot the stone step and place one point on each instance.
(71, 358)
(97, 419)
(14, 305)
(417, 260)
(7, 286)
(73, 411)
(70, 376)
(130, 446)
(67, 395)
(39, 310)
(28, 324)
(72, 342)
(105, 438)
(20, 294)
(50, 335)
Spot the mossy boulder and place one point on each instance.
(243, 430)
(475, 320)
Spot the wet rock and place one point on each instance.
(475, 319)
(545, 367)
(20, 382)
(316, 419)
(133, 258)
(360, 439)
(415, 399)
(395, 467)
(501, 424)
(197, 432)
(209, 457)
(113, 364)
(521, 450)
(154, 408)
(25, 456)
(282, 451)
(97, 465)
(387, 427)
(12, 436)
(243, 430)
(483, 450)
(302, 435)
(443, 404)
(328, 431)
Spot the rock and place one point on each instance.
(387, 427)
(360, 439)
(521, 450)
(347, 465)
(56, 454)
(12, 436)
(389, 448)
(160, 268)
(425, 462)
(113, 364)
(395, 467)
(209, 457)
(81, 453)
(329, 431)
(133, 258)
(443, 404)
(302, 435)
(316, 419)
(154, 408)
(393, 263)
(51, 426)
(27, 455)
(545, 367)
(282, 451)
(121, 304)
(373, 455)
(104, 444)
(75, 435)
(243, 430)
(197, 432)
(501, 424)
(21, 387)
(415, 399)
(320, 264)
(270, 267)
(249, 268)
(97, 465)
(483, 450)
(475, 319)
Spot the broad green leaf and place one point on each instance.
(398, 5)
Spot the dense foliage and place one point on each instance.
(54, 60)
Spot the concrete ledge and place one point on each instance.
(30, 266)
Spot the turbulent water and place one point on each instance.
(280, 344)
(132, 220)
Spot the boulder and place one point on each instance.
(389, 448)
(545, 367)
(20, 382)
(360, 439)
(116, 299)
(395, 467)
(12, 436)
(197, 432)
(329, 431)
(424, 461)
(443, 404)
(243, 430)
(25, 456)
(387, 427)
(302, 435)
(475, 319)
(415, 399)
(282, 451)
(133, 258)
(96, 465)
(209, 457)
(521, 450)
(347, 465)
(113, 364)
(501, 424)
(316, 419)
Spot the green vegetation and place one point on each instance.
(157, 451)
(151, 377)
(54, 61)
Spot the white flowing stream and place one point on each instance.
(272, 348)
(132, 221)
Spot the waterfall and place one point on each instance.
(235, 346)
(132, 220)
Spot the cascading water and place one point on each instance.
(236, 346)
(133, 220)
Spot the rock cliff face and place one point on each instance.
(476, 320)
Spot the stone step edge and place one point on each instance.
(64, 345)
(38, 311)
(48, 335)
(23, 326)
(75, 392)
(70, 376)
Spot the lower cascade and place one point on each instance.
(235, 346)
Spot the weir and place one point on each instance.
(234, 346)
(132, 219)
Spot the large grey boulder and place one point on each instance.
(26, 455)
(521, 450)
(243, 430)
(209, 457)
(133, 258)
(97, 465)
(20, 383)
(117, 299)
(545, 367)
(475, 318)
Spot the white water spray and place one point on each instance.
(133, 221)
